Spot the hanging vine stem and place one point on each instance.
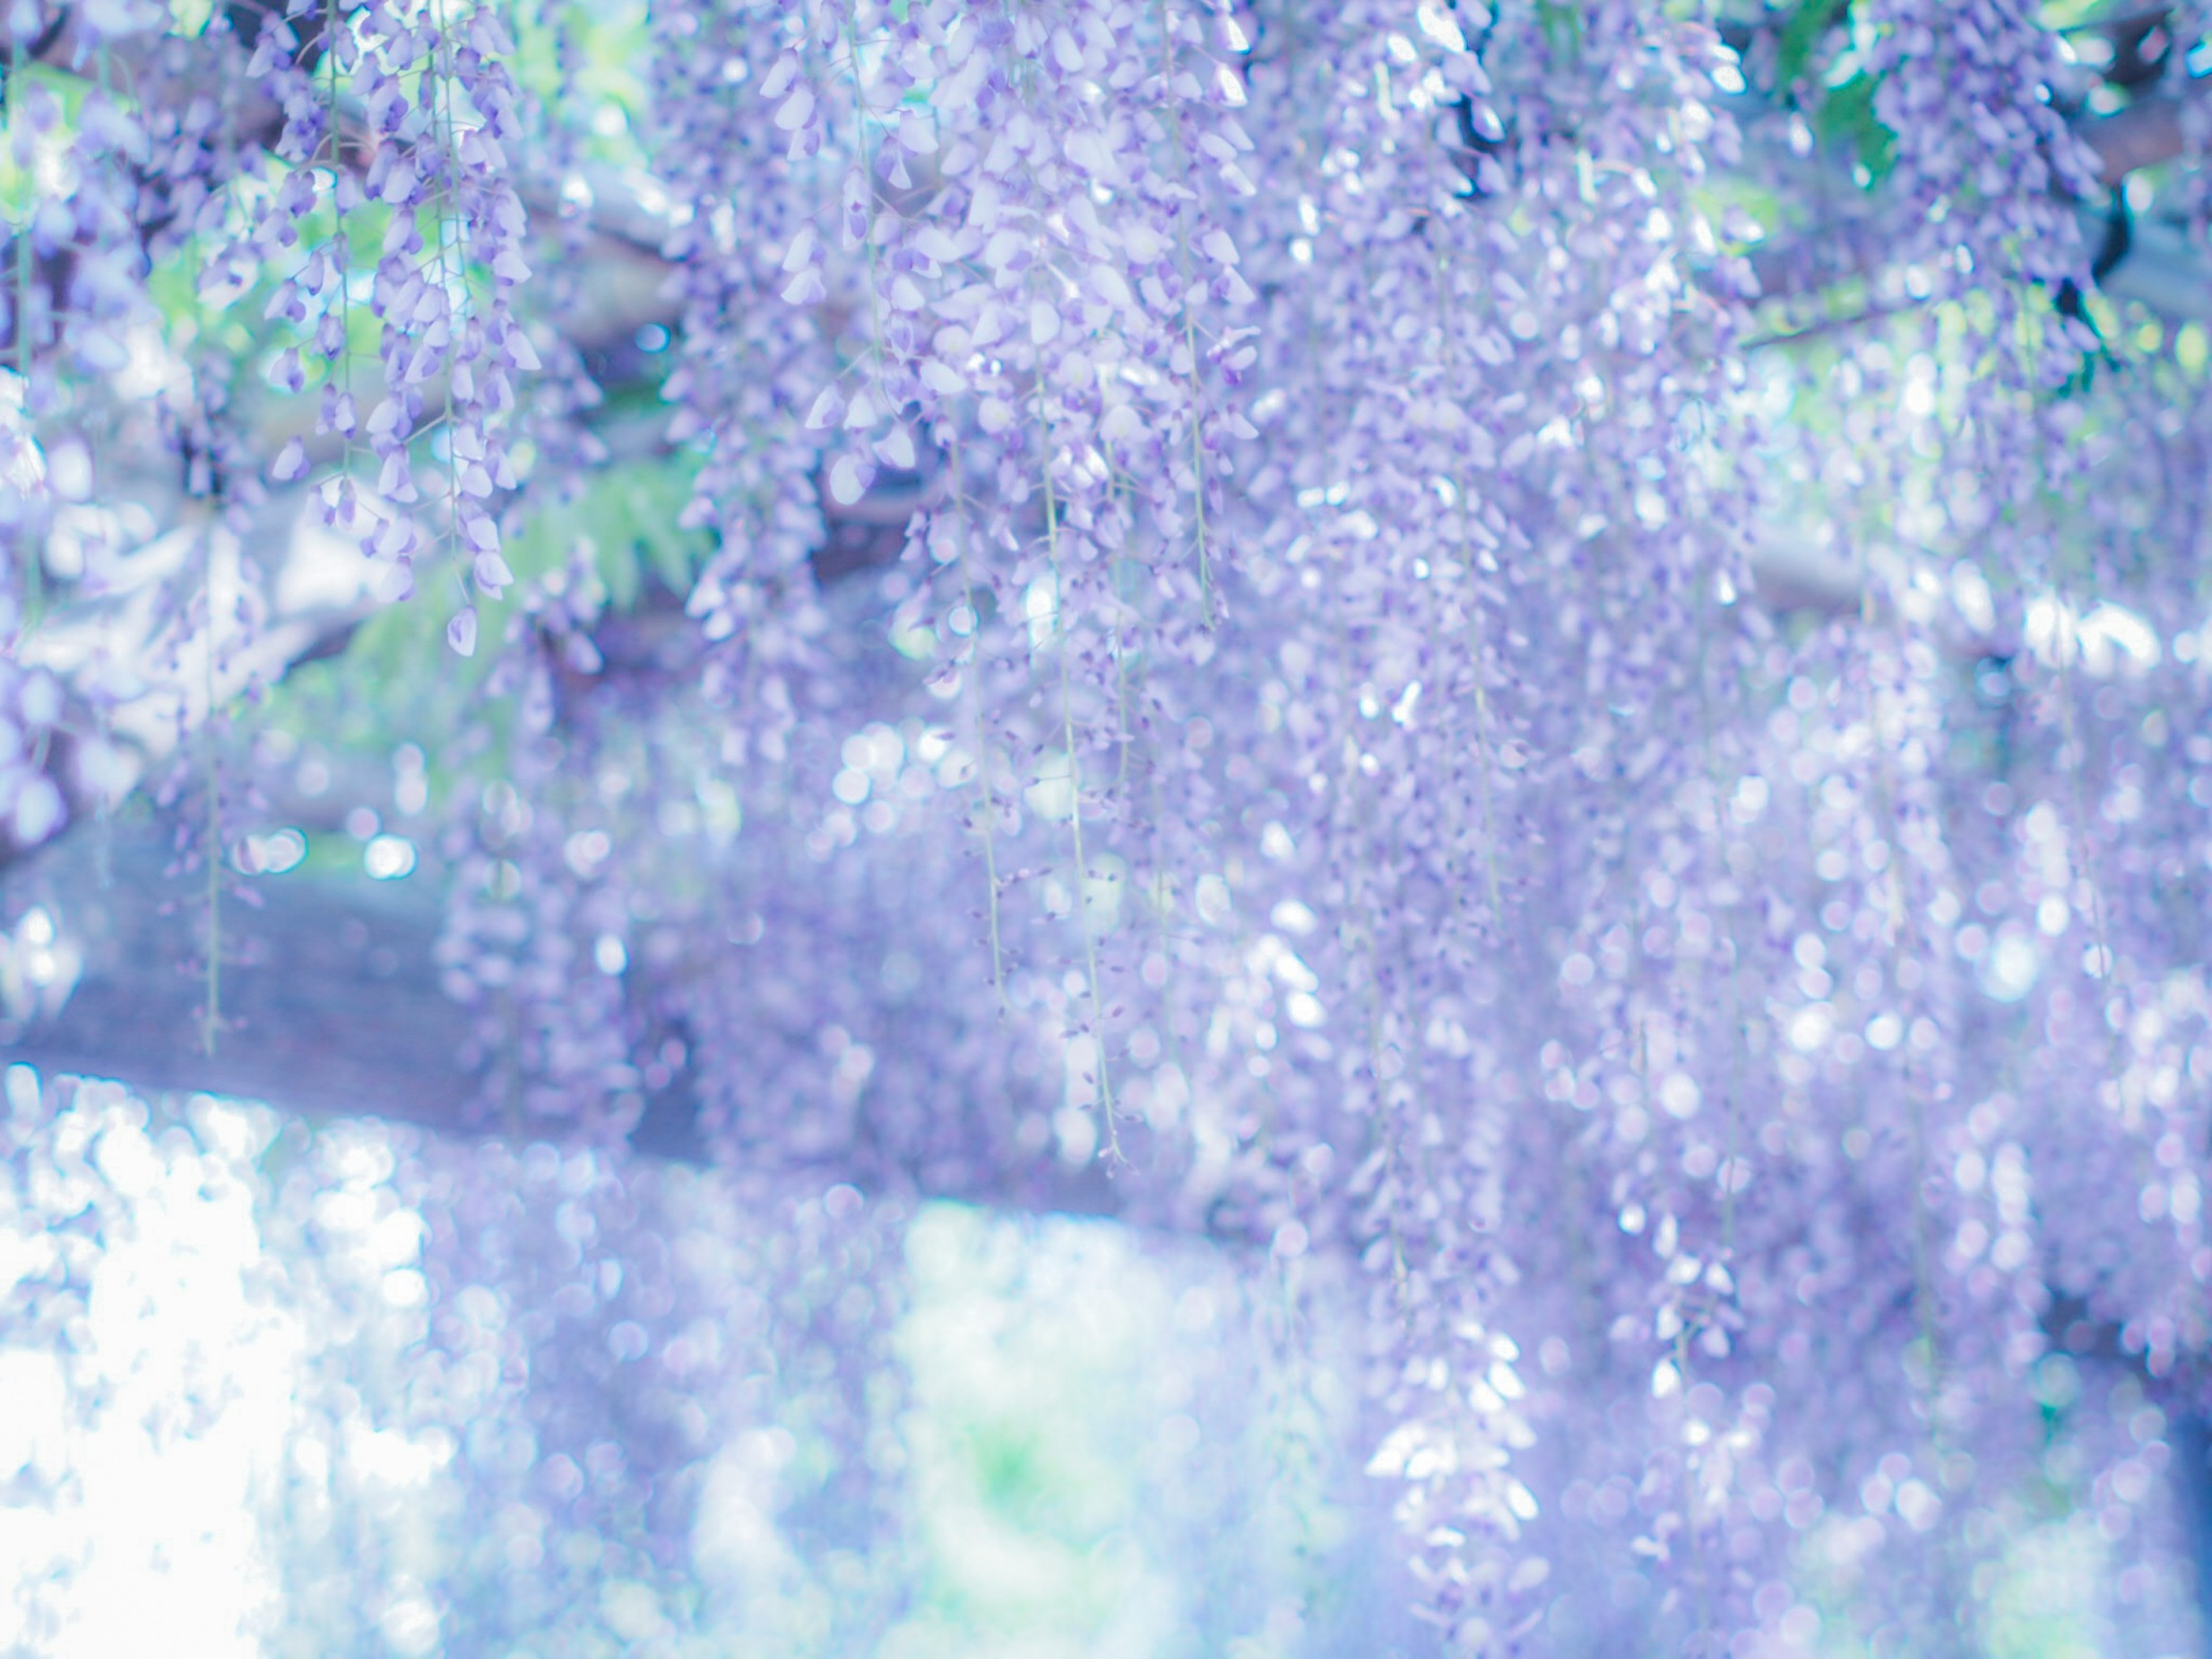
(1477, 656)
(1293, 1414)
(1189, 324)
(342, 242)
(1733, 1171)
(2078, 760)
(211, 1012)
(441, 71)
(1122, 490)
(1163, 895)
(22, 238)
(1381, 1127)
(1700, 1567)
(1896, 911)
(867, 173)
(987, 808)
(1082, 905)
(33, 572)
(1889, 714)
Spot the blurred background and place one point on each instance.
(354, 1389)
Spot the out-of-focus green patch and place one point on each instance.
(2190, 348)
(2072, 14)
(1802, 31)
(1846, 116)
(1842, 92)
(1070, 1427)
(2045, 1605)
(626, 519)
(17, 184)
(603, 92)
(398, 678)
(622, 520)
(1562, 25)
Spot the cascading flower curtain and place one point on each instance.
(1303, 742)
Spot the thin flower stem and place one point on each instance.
(211, 1012)
(987, 811)
(1064, 644)
(1478, 665)
(341, 238)
(441, 96)
(34, 570)
(1189, 322)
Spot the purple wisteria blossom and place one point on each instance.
(1548, 658)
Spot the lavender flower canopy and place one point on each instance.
(1542, 669)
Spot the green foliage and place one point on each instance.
(2073, 13)
(398, 680)
(1065, 1415)
(1802, 31)
(2190, 348)
(19, 189)
(2044, 1606)
(607, 43)
(1842, 92)
(1846, 117)
(626, 520)
(1562, 25)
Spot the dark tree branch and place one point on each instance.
(2151, 129)
(337, 1008)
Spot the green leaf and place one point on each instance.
(1847, 116)
(1562, 25)
(1802, 31)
